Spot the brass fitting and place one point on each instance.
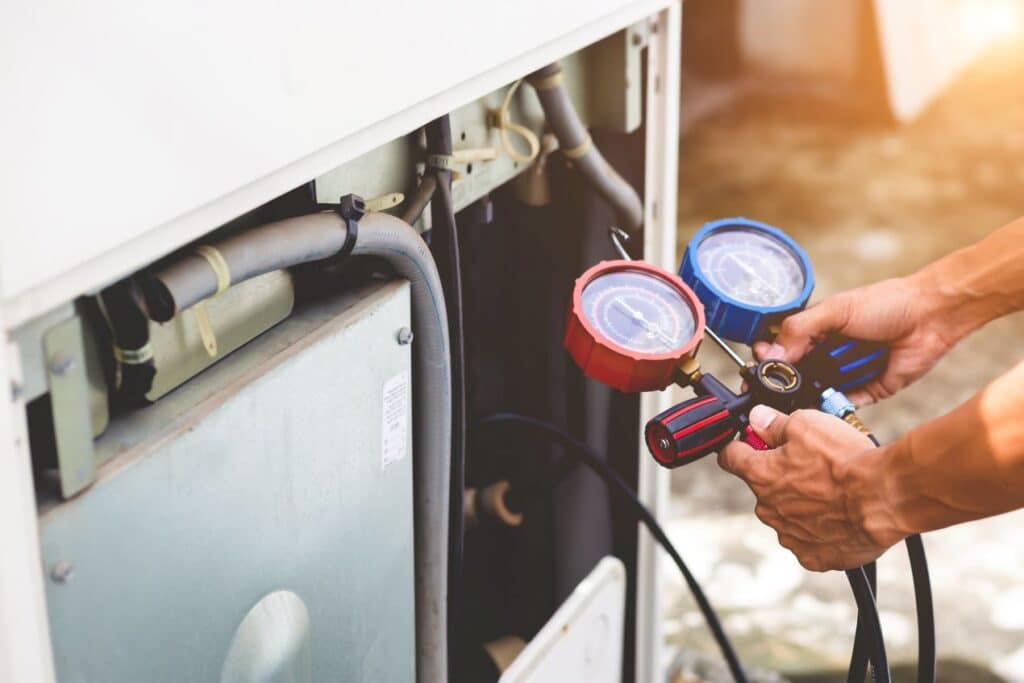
(854, 421)
(691, 369)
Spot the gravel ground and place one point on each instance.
(867, 201)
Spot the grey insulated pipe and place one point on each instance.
(180, 284)
(289, 242)
(576, 144)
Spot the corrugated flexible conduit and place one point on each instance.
(178, 285)
(576, 144)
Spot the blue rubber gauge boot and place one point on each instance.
(749, 276)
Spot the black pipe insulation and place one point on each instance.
(120, 305)
(575, 143)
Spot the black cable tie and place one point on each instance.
(351, 208)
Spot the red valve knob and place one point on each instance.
(690, 430)
(751, 438)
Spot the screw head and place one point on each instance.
(665, 443)
(62, 571)
(61, 364)
(404, 336)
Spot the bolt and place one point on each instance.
(62, 571)
(404, 336)
(61, 364)
(638, 39)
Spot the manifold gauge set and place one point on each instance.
(637, 327)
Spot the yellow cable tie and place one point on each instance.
(580, 149)
(385, 201)
(217, 264)
(223, 274)
(465, 156)
(548, 82)
(206, 332)
(503, 122)
(138, 356)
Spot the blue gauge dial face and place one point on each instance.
(751, 267)
(638, 312)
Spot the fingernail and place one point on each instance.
(776, 352)
(761, 417)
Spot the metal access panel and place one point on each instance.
(256, 524)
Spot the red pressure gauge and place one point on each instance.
(632, 324)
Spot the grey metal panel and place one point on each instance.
(269, 478)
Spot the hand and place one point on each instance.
(812, 489)
(900, 313)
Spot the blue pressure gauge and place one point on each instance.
(748, 275)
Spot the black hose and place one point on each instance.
(592, 459)
(867, 615)
(859, 655)
(925, 609)
(926, 648)
(445, 246)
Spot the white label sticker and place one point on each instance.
(394, 420)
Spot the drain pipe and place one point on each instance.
(576, 144)
(178, 285)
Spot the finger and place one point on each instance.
(769, 424)
(867, 394)
(860, 397)
(789, 541)
(738, 458)
(798, 332)
(807, 554)
(764, 351)
(810, 560)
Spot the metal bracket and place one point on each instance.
(64, 349)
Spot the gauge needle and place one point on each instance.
(630, 311)
(650, 327)
(753, 273)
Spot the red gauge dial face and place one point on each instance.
(631, 324)
(638, 312)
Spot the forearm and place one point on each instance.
(976, 284)
(965, 465)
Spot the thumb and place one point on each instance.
(769, 424)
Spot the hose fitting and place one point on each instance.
(835, 403)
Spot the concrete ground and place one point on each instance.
(868, 201)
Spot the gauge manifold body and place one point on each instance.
(749, 276)
(631, 324)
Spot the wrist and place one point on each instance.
(945, 301)
(978, 283)
(872, 498)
